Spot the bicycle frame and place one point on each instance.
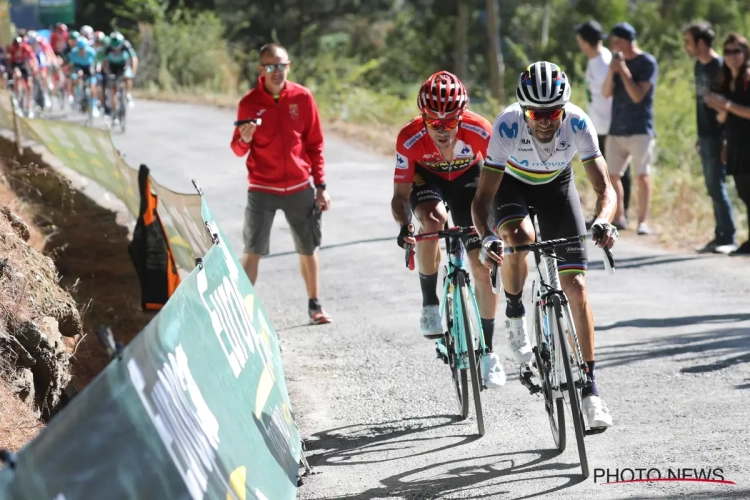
(542, 292)
(455, 265)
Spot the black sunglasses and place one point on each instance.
(731, 52)
(269, 68)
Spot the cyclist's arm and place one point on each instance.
(400, 206)
(481, 207)
(606, 199)
(403, 177)
(596, 169)
(490, 177)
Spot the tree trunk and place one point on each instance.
(461, 56)
(545, 25)
(494, 53)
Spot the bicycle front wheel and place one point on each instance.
(553, 406)
(471, 329)
(459, 375)
(570, 382)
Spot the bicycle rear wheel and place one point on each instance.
(553, 406)
(470, 329)
(573, 396)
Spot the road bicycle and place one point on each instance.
(557, 356)
(117, 84)
(461, 345)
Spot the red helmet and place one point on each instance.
(443, 95)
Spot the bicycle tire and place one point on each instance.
(575, 402)
(469, 338)
(554, 407)
(459, 375)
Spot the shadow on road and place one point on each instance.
(732, 343)
(596, 262)
(346, 445)
(672, 322)
(336, 245)
(490, 472)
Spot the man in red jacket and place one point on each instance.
(285, 149)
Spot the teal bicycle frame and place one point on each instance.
(456, 345)
(456, 326)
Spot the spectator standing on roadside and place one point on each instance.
(733, 104)
(698, 39)
(631, 82)
(589, 37)
(283, 151)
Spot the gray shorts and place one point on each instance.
(301, 214)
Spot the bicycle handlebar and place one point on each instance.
(609, 260)
(451, 231)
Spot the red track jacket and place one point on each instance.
(287, 147)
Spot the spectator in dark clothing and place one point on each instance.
(631, 82)
(733, 104)
(698, 39)
(589, 37)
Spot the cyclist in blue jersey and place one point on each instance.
(529, 164)
(81, 60)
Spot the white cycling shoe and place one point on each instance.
(517, 339)
(596, 412)
(493, 374)
(430, 322)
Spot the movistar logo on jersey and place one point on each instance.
(523, 163)
(577, 123)
(509, 131)
(466, 150)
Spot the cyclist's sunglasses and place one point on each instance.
(269, 68)
(543, 114)
(438, 123)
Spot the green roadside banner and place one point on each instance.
(91, 153)
(196, 407)
(181, 215)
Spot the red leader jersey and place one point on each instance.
(287, 147)
(415, 147)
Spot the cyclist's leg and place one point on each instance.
(560, 215)
(462, 194)
(426, 201)
(513, 225)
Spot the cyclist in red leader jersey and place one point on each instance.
(439, 155)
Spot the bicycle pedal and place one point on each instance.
(595, 430)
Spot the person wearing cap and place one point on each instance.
(589, 37)
(631, 82)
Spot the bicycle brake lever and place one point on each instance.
(494, 280)
(609, 261)
(410, 257)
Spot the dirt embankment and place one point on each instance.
(64, 269)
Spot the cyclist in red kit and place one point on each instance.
(439, 155)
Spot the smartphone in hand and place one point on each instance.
(256, 121)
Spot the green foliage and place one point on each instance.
(365, 60)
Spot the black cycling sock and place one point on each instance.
(313, 304)
(488, 329)
(592, 390)
(428, 282)
(514, 308)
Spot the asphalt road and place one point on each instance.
(376, 407)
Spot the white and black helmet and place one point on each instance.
(543, 85)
